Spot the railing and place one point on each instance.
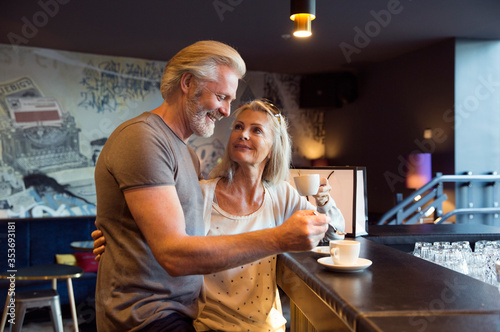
(428, 200)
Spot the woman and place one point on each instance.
(248, 191)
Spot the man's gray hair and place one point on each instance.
(202, 60)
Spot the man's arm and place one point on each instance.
(158, 214)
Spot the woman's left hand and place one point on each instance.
(99, 244)
(323, 194)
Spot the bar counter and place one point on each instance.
(398, 292)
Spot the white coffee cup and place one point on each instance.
(344, 252)
(307, 184)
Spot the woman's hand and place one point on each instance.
(323, 194)
(99, 244)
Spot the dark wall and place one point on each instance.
(477, 121)
(397, 100)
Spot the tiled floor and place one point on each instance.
(39, 321)
(46, 326)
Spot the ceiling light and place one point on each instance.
(302, 12)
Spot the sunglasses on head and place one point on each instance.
(275, 110)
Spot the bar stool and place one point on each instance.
(38, 299)
(45, 272)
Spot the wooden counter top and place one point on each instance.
(398, 292)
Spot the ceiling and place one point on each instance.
(259, 29)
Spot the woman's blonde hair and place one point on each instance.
(278, 165)
(202, 60)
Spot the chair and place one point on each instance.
(45, 297)
(36, 299)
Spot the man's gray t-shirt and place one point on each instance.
(133, 290)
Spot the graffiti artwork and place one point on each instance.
(58, 108)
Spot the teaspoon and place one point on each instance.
(334, 228)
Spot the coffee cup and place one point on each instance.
(344, 252)
(307, 184)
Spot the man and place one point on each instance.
(150, 206)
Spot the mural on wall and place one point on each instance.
(57, 109)
(111, 84)
(306, 126)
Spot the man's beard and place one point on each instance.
(198, 121)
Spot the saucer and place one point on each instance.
(324, 250)
(360, 265)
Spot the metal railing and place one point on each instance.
(428, 200)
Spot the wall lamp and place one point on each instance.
(302, 12)
(419, 170)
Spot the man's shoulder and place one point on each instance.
(145, 125)
(144, 118)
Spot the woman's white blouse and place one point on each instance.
(245, 298)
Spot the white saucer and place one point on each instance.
(360, 265)
(324, 250)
